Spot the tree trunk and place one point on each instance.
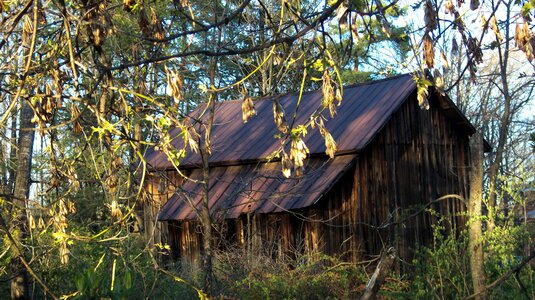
(19, 284)
(474, 210)
(3, 164)
(12, 155)
(206, 220)
(20, 288)
(505, 122)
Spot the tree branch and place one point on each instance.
(505, 276)
(231, 52)
(15, 22)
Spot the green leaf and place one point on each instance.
(527, 7)
(164, 122)
(299, 131)
(79, 282)
(127, 279)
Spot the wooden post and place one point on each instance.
(379, 275)
(474, 209)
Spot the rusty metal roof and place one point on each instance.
(260, 188)
(365, 109)
(240, 179)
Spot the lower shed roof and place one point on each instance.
(260, 188)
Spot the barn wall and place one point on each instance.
(159, 187)
(323, 228)
(418, 157)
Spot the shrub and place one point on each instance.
(307, 277)
(443, 270)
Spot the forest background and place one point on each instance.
(86, 86)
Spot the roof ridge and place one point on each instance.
(354, 85)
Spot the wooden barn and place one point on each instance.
(392, 160)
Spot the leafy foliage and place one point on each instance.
(442, 270)
(110, 270)
(307, 277)
(106, 80)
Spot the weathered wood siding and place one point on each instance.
(159, 187)
(418, 157)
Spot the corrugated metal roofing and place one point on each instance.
(240, 182)
(260, 188)
(364, 111)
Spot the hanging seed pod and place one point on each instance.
(31, 220)
(298, 152)
(328, 93)
(143, 23)
(98, 36)
(75, 115)
(342, 15)
(312, 122)
(484, 24)
(278, 116)
(64, 253)
(286, 165)
(474, 4)
(438, 81)
(494, 26)
(117, 163)
(473, 71)
(190, 140)
(474, 49)
(330, 144)
(429, 51)
(430, 17)
(27, 29)
(422, 91)
(338, 96)
(175, 85)
(354, 33)
(449, 7)
(41, 14)
(71, 208)
(156, 25)
(519, 37)
(526, 32)
(115, 210)
(454, 47)
(385, 28)
(41, 223)
(248, 109)
(528, 49)
(111, 183)
(50, 103)
(58, 87)
(445, 62)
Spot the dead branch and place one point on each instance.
(505, 276)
